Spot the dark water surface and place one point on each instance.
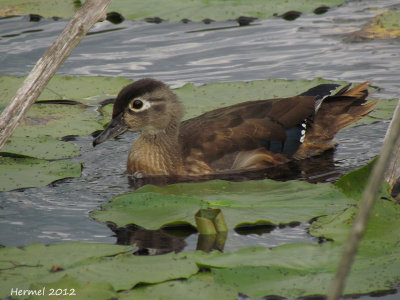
(311, 46)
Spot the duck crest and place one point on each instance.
(248, 135)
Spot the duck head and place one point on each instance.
(147, 105)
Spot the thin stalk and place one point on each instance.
(368, 200)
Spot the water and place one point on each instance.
(311, 46)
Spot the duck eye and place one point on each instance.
(136, 104)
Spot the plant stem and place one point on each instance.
(368, 200)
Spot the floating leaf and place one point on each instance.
(355, 182)
(58, 120)
(300, 270)
(68, 287)
(215, 10)
(59, 8)
(83, 89)
(44, 147)
(22, 267)
(175, 10)
(126, 271)
(382, 111)
(242, 203)
(87, 263)
(193, 289)
(16, 173)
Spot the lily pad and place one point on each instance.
(16, 173)
(58, 120)
(87, 263)
(83, 89)
(242, 203)
(299, 269)
(59, 8)
(175, 10)
(22, 267)
(218, 10)
(68, 287)
(382, 111)
(193, 289)
(44, 147)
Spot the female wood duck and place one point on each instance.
(248, 135)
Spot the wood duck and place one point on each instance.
(248, 135)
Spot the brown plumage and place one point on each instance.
(248, 135)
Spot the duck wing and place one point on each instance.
(247, 126)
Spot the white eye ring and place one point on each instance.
(139, 104)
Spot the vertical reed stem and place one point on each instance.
(369, 197)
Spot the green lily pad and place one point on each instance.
(193, 289)
(242, 203)
(68, 287)
(59, 8)
(381, 225)
(172, 10)
(86, 263)
(16, 173)
(299, 270)
(218, 10)
(43, 147)
(58, 120)
(126, 271)
(83, 89)
(383, 111)
(23, 267)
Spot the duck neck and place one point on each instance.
(156, 152)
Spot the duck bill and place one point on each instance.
(115, 128)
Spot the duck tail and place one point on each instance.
(335, 112)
